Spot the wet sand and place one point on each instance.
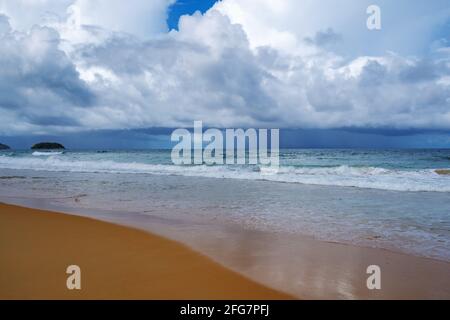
(116, 262)
(300, 266)
(303, 266)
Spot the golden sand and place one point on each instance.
(36, 247)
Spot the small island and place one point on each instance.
(4, 147)
(48, 146)
(443, 172)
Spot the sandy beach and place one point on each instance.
(128, 256)
(116, 262)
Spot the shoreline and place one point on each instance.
(413, 227)
(302, 267)
(116, 262)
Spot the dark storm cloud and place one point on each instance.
(38, 81)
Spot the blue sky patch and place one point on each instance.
(182, 7)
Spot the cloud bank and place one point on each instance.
(83, 65)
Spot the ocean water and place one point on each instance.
(391, 199)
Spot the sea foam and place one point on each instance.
(345, 176)
(48, 153)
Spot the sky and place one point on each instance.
(117, 71)
(186, 7)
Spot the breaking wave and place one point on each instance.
(346, 176)
(48, 153)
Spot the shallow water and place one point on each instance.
(406, 221)
(292, 263)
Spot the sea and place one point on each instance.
(389, 199)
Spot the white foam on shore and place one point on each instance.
(346, 176)
(48, 153)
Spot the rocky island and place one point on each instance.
(443, 172)
(48, 146)
(4, 147)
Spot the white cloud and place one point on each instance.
(138, 17)
(232, 66)
(26, 13)
(283, 24)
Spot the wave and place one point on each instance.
(46, 153)
(345, 176)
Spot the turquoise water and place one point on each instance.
(399, 170)
(390, 159)
(390, 199)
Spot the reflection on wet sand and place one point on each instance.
(302, 266)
